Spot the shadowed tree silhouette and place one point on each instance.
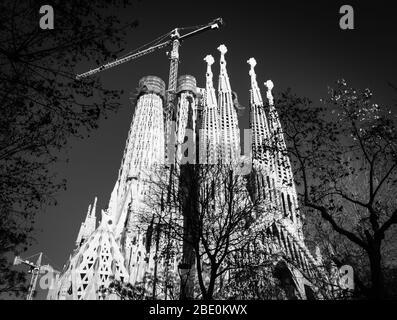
(208, 209)
(345, 160)
(42, 105)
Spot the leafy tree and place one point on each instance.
(123, 291)
(345, 161)
(210, 211)
(42, 105)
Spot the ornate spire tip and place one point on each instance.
(209, 59)
(269, 84)
(251, 62)
(222, 48)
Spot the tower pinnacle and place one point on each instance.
(269, 84)
(229, 130)
(210, 129)
(224, 84)
(88, 226)
(223, 49)
(210, 91)
(94, 207)
(256, 95)
(210, 61)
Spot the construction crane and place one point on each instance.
(35, 268)
(174, 39)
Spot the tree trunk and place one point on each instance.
(189, 257)
(200, 275)
(189, 187)
(211, 286)
(375, 259)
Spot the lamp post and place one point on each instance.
(184, 272)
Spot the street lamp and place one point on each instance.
(184, 272)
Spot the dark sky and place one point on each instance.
(296, 44)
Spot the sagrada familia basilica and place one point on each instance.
(116, 248)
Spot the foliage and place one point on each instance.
(123, 290)
(345, 161)
(213, 216)
(42, 105)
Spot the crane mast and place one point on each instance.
(173, 74)
(35, 269)
(174, 61)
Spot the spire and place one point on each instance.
(229, 130)
(112, 207)
(256, 98)
(94, 207)
(283, 169)
(88, 226)
(261, 158)
(209, 134)
(93, 265)
(269, 84)
(275, 124)
(88, 211)
(224, 83)
(258, 122)
(91, 219)
(210, 91)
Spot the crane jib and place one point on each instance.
(122, 60)
(215, 24)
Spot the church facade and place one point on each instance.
(121, 248)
